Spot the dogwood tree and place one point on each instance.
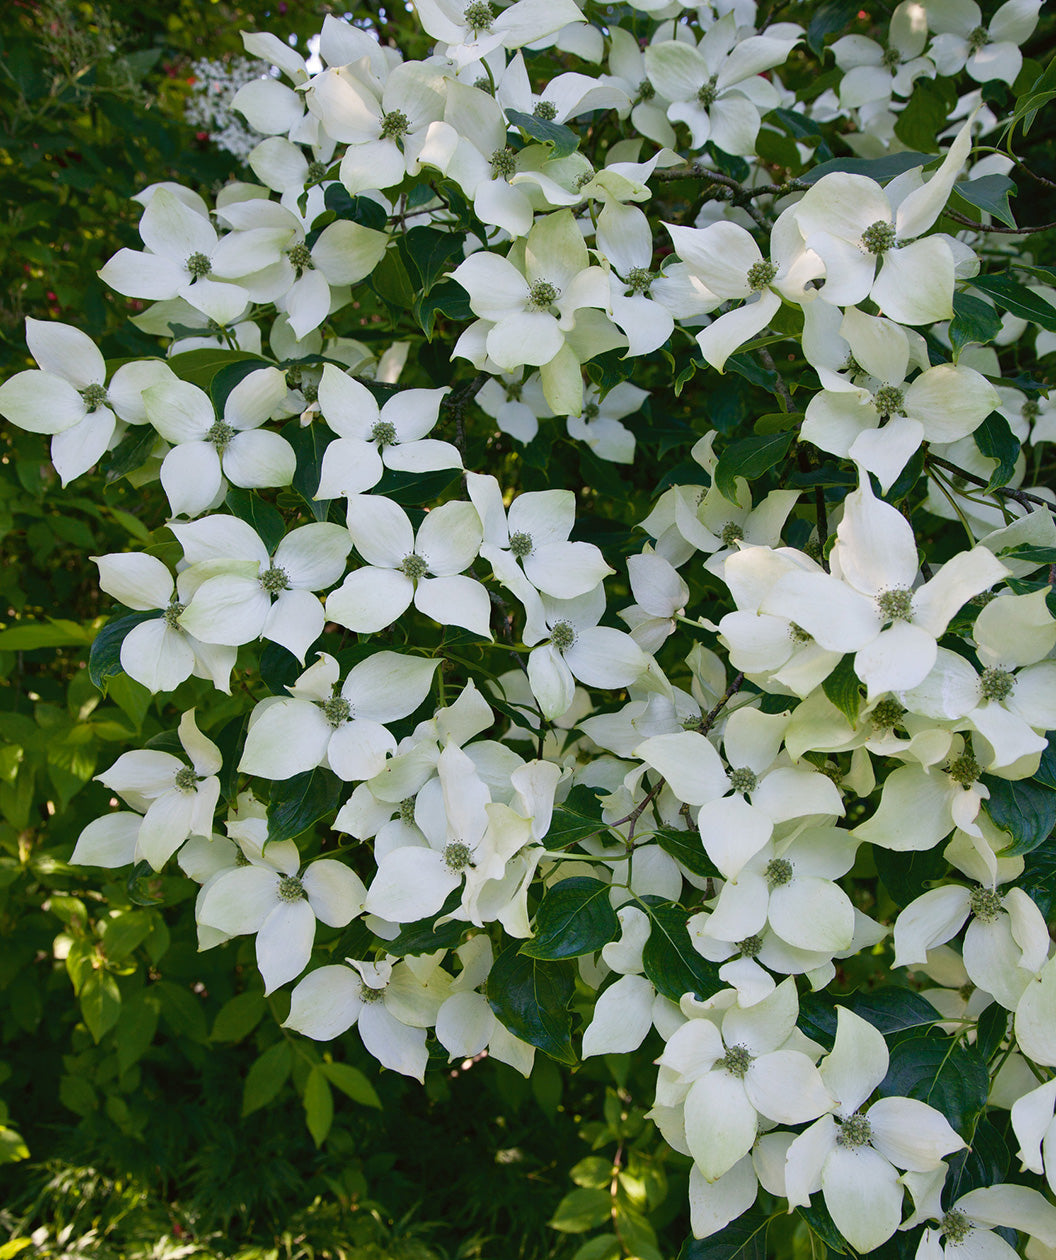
(737, 761)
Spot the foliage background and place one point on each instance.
(121, 1131)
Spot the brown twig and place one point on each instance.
(1022, 497)
(992, 227)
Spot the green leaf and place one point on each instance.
(991, 1030)
(749, 458)
(258, 514)
(362, 210)
(428, 253)
(563, 139)
(577, 819)
(974, 322)
(448, 299)
(948, 1075)
(575, 917)
(352, 1083)
(821, 1223)
(1039, 94)
(685, 847)
(391, 282)
(200, 366)
(1046, 771)
(995, 439)
(309, 443)
(907, 875)
(582, 1210)
(422, 937)
(238, 1017)
(131, 452)
(136, 1028)
(988, 193)
(669, 959)
(844, 689)
(1026, 810)
(530, 997)
(104, 659)
(744, 1239)
(30, 635)
(126, 933)
(924, 117)
(266, 1077)
(826, 19)
(100, 1003)
(984, 1163)
(298, 803)
(891, 1010)
(1012, 296)
(880, 169)
(1038, 880)
(318, 1105)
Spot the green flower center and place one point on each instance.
(708, 94)
(562, 636)
(394, 124)
(290, 888)
(956, 1226)
(521, 545)
(736, 1060)
(186, 780)
(750, 946)
(891, 59)
(310, 390)
(384, 433)
(337, 711)
(478, 16)
(879, 237)
(985, 903)
(639, 279)
(646, 91)
(546, 110)
(590, 411)
(241, 859)
(887, 714)
(855, 1131)
(798, 635)
(730, 533)
(889, 400)
(457, 856)
(541, 295)
(414, 566)
(275, 580)
(1030, 410)
(483, 84)
(966, 990)
(996, 684)
(301, 257)
(742, 779)
(221, 435)
(896, 604)
(316, 172)
(94, 396)
(368, 995)
(171, 616)
(582, 180)
(979, 38)
(407, 809)
(503, 163)
(778, 871)
(964, 770)
(760, 274)
(199, 265)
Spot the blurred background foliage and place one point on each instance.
(150, 1104)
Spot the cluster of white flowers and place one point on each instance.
(844, 692)
(208, 107)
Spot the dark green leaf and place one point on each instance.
(391, 282)
(564, 139)
(991, 1030)
(798, 125)
(745, 365)
(749, 458)
(298, 803)
(422, 937)
(574, 917)
(309, 442)
(530, 997)
(988, 193)
(264, 518)
(924, 117)
(578, 818)
(948, 1075)
(1012, 296)
(890, 1010)
(131, 452)
(880, 169)
(907, 875)
(1026, 810)
(266, 1077)
(821, 1223)
(974, 322)
(984, 1163)
(995, 439)
(844, 689)
(1046, 771)
(427, 253)
(104, 659)
(226, 379)
(448, 299)
(278, 668)
(669, 959)
(200, 366)
(362, 210)
(744, 1239)
(685, 847)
